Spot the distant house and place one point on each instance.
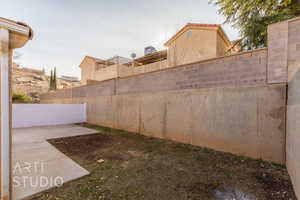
(119, 60)
(195, 42)
(69, 78)
(192, 43)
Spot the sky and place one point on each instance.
(67, 30)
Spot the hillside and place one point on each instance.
(31, 81)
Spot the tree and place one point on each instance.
(252, 17)
(52, 80)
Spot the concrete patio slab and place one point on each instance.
(39, 166)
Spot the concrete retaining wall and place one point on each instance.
(225, 104)
(240, 120)
(29, 115)
(293, 104)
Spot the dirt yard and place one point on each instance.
(130, 166)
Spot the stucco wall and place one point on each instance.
(124, 71)
(192, 46)
(240, 120)
(116, 71)
(60, 114)
(222, 46)
(292, 58)
(105, 73)
(87, 69)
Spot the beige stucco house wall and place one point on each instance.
(95, 69)
(87, 66)
(223, 44)
(196, 42)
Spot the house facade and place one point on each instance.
(193, 43)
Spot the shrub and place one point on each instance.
(21, 98)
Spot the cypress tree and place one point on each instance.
(54, 80)
(51, 80)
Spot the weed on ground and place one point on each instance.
(131, 166)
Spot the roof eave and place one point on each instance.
(20, 33)
(190, 26)
(143, 58)
(223, 33)
(85, 57)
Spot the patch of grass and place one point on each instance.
(137, 167)
(21, 98)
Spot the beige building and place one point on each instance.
(193, 43)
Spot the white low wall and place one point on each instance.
(29, 115)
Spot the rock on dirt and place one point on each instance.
(100, 161)
(227, 193)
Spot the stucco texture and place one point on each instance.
(293, 104)
(186, 48)
(237, 120)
